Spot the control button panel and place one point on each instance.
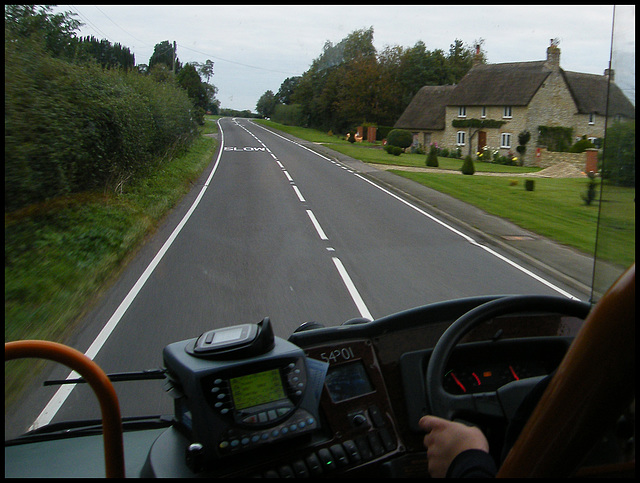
(236, 439)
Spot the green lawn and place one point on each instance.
(553, 209)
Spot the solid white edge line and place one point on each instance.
(473, 242)
(316, 225)
(56, 402)
(355, 295)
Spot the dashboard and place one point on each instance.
(369, 398)
(374, 394)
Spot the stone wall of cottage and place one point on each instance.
(425, 138)
(552, 105)
(513, 125)
(583, 127)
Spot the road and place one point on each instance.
(273, 229)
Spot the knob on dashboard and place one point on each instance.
(359, 420)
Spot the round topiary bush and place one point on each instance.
(400, 137)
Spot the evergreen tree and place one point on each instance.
(163, 53)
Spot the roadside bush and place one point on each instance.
(72, 128)
(468, 166)
(400, 137)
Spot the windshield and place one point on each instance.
(165, 176)
(617, 227)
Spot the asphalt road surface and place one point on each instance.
(271, 229)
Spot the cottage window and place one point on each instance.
(505, 140)
(462, 111)
(507, 112)
(460, 138)
(592, 118)
(484, 112)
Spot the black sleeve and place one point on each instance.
(473, 463)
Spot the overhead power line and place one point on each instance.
(211, 56)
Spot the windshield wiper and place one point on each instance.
(115, 377)
(72, 429)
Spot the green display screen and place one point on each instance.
(254, 389)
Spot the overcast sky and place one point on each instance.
(256, 47)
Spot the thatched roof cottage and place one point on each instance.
(493, 103)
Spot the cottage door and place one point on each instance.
(482, 140)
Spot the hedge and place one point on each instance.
(71, 128)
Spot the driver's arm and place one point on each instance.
(449, 442)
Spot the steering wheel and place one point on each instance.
(504, 402)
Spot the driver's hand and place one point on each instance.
(446, 439)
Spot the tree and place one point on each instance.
(206, 69)
(287, 88)
(460, 60)
(266, 104)
(107, 55)
(164, 53)
(55, 31)
(190, 80)
(350, 83)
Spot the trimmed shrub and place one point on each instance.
(432, 157)
(400, 137)
(468, 166)
(395, 150)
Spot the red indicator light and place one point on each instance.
(464, 389)
(513, 373)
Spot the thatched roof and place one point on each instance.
(590, 94)
(427, 109)
(509, 84)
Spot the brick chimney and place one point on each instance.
(553, 55)
(477, 58)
